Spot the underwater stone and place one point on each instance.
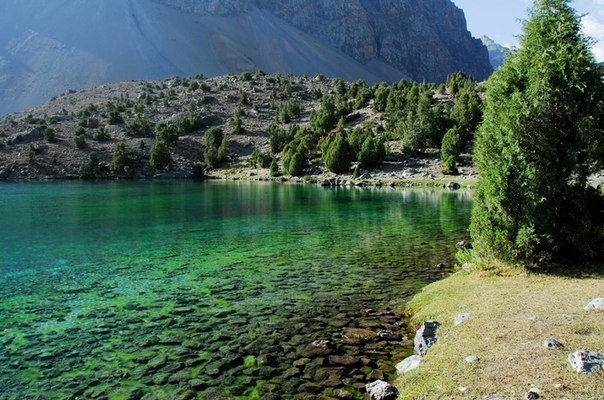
(157, 362)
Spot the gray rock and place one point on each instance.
(380, 390)
(463, 245)
(595, 304)
(553, 344)
(532, 394)
(472, 359)
(425, 337)
(461, 317)
(408, 364)
(585, 361)
(453, 185)
(26, 136)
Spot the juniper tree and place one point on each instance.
(541, 138)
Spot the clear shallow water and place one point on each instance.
(127, 290)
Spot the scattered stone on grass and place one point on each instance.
(532, 394)
(472, 359)
(461, 317)
(380, 390)
(595, 305)
(553, 344)
(585, 361)
(408, 364)
(425, 337)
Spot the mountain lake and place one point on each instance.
(213, 289)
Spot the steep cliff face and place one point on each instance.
(423, 39)
(47, 47)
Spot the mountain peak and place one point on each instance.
(497, 52)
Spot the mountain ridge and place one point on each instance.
(48, 48)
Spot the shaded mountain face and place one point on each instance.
(47, 48)
(497, 52)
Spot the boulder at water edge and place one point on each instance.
(425, 337)
(380, 390)
(585, 361)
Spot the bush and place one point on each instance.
(217, 145)
(279, 138)
(49, 134)
(100, 134)
(121, 160)
(451, 148)
(294, 159)
(90, 168)
(80, 141)
(261, 159)
(160, 155)
(274, 168)
(199, 169)
(337, 153)
(373, 152)
(140, 127)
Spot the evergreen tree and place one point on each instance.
(160, 155)
(542, 136)
(451, 147)
(337, 152)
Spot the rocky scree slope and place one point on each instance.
(47, 48)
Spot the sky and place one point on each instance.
(501, 20)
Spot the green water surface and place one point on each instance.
(124, 290)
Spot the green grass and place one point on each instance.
(512, 316)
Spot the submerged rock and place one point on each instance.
(425, 337)
(380, 390)
(585, 361)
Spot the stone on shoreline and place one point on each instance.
(380, 390)
(425, 337)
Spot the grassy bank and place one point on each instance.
(512, 316)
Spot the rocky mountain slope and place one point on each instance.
(497, 52)
(47, 48)
(55, 140)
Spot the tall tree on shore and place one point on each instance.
(541, 138)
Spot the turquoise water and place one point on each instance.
(179, 289)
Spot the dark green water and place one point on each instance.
(209, 290)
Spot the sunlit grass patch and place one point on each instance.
(512, 316)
